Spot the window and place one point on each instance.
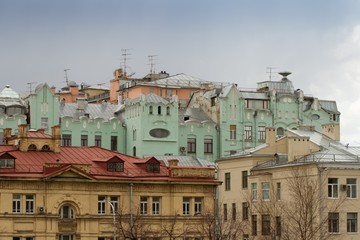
(32, 147)
(29, 203)
(66, 212)
(213, 101)
(66, 139)
(84, 140)
(198, 205)
(156, 205)
(265, 224)
(254, 191)
(278, 226)
(278, 191)
(333, 222)
(101, 204)
(153, 167)
(66, 237)
(115, 166)
(98, 140)
(7, 163)
(245, 210)
(168, 92)
(265, 186)
(233, 211)
(113, 143)
(208, 145)
(261, 134)
(191, 145)
(244, 179)
(232, 132)
(351, 222)
(246, 237)
(227, 182)
(114, 204)
(150, 110)
(159, 110)
(186, 206)
(44, 123)
(168, 111)
(134, 134)
(225, 212)
(333, 188)
(351, 188)
(45, 148)
(16, 204)
(248, 133)
(143, 205)
(134, 151)
(280, 131)
(254, 225)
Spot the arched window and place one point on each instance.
(159, 110)
(167, 110)
(280, 131)
(134, 151)
(66, 212)
(32, 147)
(151, 110)
(45, 148)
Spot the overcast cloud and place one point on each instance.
(229, 41)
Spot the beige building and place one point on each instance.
(300, 186)
(68, 193)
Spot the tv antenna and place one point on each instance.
(270, 72)
(30, 84)
(151, 63)
(66, 76)
(125, 54)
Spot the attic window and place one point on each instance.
(153, 167)
(45, 148)
(115, 166)
(7, 163)
(32, 147)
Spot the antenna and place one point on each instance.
(270, 72)
(151, 63)
(125, 54)
(66, 76)
(30, 84)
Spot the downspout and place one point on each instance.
(131, 203)
(320, 170)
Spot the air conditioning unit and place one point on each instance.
(41, 210)
(343, 187)
(182, 149)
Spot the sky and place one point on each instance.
(215, 40)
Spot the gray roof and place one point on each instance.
(184, 80)
(253, 95)
(148, 98)
(187, 161)
(8, 93)
(103, 110)
(194, 114)
(329, 106)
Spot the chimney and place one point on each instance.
(331, 130)
(7, 134)
(270, 136)
(173, 162)
(41, 130)
(56, 138)
(22, 131)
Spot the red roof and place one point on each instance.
(88, 162)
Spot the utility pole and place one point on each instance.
(270, 72)
(125, 54)
(30, 84)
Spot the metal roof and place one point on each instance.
(8, 93)
(148, 98)
(194, 114)
(187, 161)
(329, 106)
(253, 95)
(103, 110)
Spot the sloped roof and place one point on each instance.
(194, 114)
(187, 161)
(329, 106)
(147, 98)
(102, 110)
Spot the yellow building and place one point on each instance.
(301, 186)
(68, 193)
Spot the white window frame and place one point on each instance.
(144, 205)
(16, 203)
(265, 188)
(198, 205)
(254, 191)
(101, 205)
(351, 188)
(156, 205)
(114, 201)
(333, 188)
(29, 203)
(186, 206)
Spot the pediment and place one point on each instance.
(68, 172)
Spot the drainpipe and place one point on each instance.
(131, 200)
(320, 170)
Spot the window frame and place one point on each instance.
(191, 145)
(333, 188)
(352, 222)
(29, 203)
(333, 222)
(186, 206)
(351, 188)
(101, 205)
(265, 191)
(228, 181)
(156, 205)
(144, 205)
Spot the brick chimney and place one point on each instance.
(56, 138)
(7, 135)
(22, 131)
(270, 136)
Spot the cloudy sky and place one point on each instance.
(215, 40)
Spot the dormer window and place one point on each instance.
(32, 147)
(153, 167)
(7, 163)
(45, 148)
(115, 166)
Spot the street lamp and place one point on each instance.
(113, 213)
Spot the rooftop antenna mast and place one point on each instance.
(30, 84)
(270, 72)
(125, 54)
(66, 76)
(152, 63)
